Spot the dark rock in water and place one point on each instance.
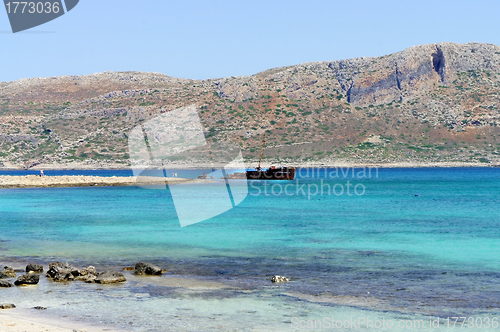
(87, 274)
(148, 269)
(9, 272)
(7, 306)
(3, 276)
(37, 268)
(368, 252)
(27, 279)
(5, 283)
(39, 308)
(110, 277)
(128, 268)
(62, 272)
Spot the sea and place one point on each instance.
(365, 249)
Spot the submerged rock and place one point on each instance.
(9, 272)
(37, 268)
(148, 269)
(87, 274)
(39, 308)
(128, 268)
(278, 279)
(110, 277)
(5, 283)
(7, 306)
(3, 276)
(27, 279)
(62, 272)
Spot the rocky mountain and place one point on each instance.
(436, 103)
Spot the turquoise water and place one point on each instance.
(409, 241)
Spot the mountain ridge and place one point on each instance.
(426, 104)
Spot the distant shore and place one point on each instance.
(338, 164)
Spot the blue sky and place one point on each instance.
(211, 39)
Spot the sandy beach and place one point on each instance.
(12, 321)
(25, 318)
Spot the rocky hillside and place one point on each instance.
(426, 104)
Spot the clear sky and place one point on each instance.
(211, 39)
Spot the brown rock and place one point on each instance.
(148, 269)
(5, 283)
(9, 272)
(110, 277)
(27, 279)
(37, 268)
(62, 272)
(7, 306)
(88, 274)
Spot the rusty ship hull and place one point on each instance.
(279, 173)
(272, 173)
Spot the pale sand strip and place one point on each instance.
(36, 181)
(11, 321)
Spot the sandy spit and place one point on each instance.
(36, 181)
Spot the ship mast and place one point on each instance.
(262, 150)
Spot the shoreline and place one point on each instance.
(83, 167)
(24, 318)
(22, 321)
(53, 181)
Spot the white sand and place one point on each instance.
(30, 181)
(12, 321)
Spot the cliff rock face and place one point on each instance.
(436, 102)
(412, 72)
(364, 81)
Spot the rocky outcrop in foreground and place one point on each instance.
(65, 272)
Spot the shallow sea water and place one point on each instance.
(418, 243)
